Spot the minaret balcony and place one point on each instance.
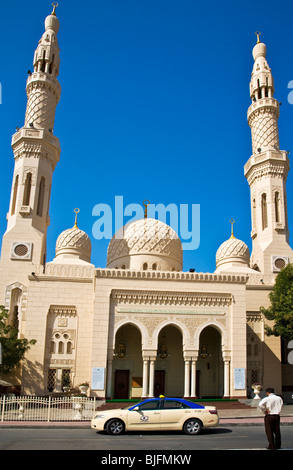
(264, 162)
(269, 103)
(45, 78)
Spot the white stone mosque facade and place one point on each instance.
(140, 326)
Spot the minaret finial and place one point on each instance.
(146, 203)
(55, 5)
(76, 212)
(258, 33)
(232, 221)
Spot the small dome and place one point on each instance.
(145, 244)
(74, 243)
(52, 22)
(259, 50)
(232, 251)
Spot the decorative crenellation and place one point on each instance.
(172, 275)
(258, 279)
(253, 317)
(171, 298)
(63, 310)
(62, 271)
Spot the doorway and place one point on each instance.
(121, 384)
(159, 388)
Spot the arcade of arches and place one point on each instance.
(132, 374)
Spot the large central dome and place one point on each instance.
(145, 244)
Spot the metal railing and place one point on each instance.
(31, 408)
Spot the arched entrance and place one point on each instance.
(210, 368)
(169, 367)
(127, 363)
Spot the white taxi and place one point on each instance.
(154, 414)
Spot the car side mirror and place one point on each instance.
(136, 408)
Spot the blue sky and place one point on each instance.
(153, 106)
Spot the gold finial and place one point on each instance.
(258, 33)
(54, 5)
(146, 203)
(76, 212)
(232, 221)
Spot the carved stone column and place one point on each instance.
(226, 376)
(145, 378)
(193, 377)
(187, 378)
(152, 377)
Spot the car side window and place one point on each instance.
(174, 405)
(151, 405)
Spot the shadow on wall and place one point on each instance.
(32, 382)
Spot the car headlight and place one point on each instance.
(99, 416)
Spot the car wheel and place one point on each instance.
(192, 426)
(115, 426)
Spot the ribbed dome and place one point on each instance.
(74, 242)
(232, 251)
(145, 244)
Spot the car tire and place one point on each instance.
(115, 426)
(192, 427)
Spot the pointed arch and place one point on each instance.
(27, 190)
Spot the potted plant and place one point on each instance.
(83, 387)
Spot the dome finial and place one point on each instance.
(232, 222)
(55, 5)
(76, 212)
(146, 203)
(258, 33)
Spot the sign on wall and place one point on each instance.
(98, 378)
(239, 379)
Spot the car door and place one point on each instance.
(173, 414)
(145, 416)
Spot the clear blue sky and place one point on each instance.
(153, 106)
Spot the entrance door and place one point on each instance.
(159, 388)
(121, 384)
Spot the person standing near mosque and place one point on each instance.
(271, 406)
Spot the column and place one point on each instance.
(151, 378)
(145, 378)
(226, 378)
(187, 378)
(193, 378)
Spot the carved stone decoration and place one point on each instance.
(63, 310)
(171, 298)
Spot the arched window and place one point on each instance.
(264, 211)
(41, 197)
(154, 266)
(53, 347)
(27, 190)
(145, 266)
(61, 347)
(277, 207)
(15, 320)
(15, 189)
(69, 347)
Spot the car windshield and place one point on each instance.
(131, 406)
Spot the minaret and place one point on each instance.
(266, 172)
(36, 153)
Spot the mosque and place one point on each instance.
(141, 326)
